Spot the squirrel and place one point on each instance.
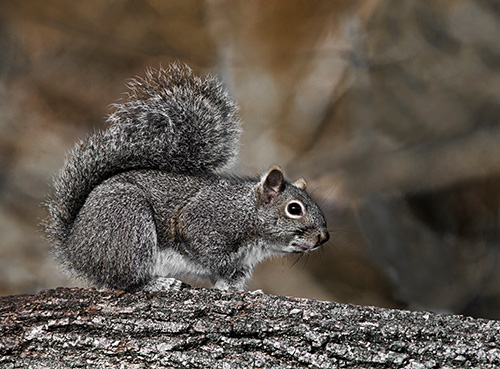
(149, 200)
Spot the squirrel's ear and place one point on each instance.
(271, 185)
(300, 183)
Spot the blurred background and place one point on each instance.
(389, 108)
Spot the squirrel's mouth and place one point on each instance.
(300, 246)
(303, 247)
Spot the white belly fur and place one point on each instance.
(172, 264)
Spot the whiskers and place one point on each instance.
(326, 198)
(343, 235)
(335, 235)
(299, 258)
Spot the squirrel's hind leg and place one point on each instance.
(113, 239)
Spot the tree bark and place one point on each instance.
(200, 328)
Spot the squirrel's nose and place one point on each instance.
(323, 237)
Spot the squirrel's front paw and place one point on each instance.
(162, 283)
(256, 292)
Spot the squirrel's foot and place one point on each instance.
(256, 292)
(162, 283)
(224, 285)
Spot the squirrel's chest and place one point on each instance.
(253, 253)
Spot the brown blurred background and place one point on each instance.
(390, 109)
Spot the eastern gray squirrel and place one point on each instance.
(146, 200)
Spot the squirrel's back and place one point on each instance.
(171, 121)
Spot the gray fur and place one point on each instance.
(145, 200)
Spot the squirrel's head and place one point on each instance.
(292, 221)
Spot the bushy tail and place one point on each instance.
(172, 120)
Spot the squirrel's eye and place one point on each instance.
(295, 209)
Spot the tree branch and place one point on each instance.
(200, 328)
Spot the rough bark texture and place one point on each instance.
(199, 328)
